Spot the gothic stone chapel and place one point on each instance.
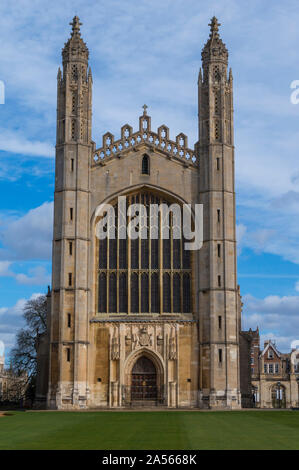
(142, 322)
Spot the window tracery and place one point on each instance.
(144, 275)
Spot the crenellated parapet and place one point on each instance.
(157, 141)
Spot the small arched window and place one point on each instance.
(145, 165)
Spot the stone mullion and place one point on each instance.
(117, 270)
(107, 276)
(117, 291)
(181, 271)
(139, 258)
(139, 273)
(149, 258)
(161, 260)
(129, 265)
(171, 261)
(97, 244)
(192, 282)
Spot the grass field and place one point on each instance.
(150, 430)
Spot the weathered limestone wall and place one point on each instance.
(171, 346)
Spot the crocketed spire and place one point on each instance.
(75, 49)
(75, 24)
(214, 25)
(215, 49)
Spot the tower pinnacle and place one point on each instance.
(145, 109)
(75, 49)
(75, 24)
(214, 26)
(215, 49)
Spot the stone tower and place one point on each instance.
(69, 327)
(143, 320)
(218, 290)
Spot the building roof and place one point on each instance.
(271, 345)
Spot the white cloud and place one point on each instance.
(4, 268)
(37, 276)
(283, 342)
(241, 230)
(288, 202)
(11, 320)
(129, 43)
(297, 286)
(29, 236)
(260, 238)
(16, 142)
(17, 309)
(272, 225)
(277, 318)
(273, 304)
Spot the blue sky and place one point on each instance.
(149, 52)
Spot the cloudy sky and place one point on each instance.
(145, 51)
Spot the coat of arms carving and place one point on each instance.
(143, 338)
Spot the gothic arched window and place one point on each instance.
(144, 276)
(145, 165)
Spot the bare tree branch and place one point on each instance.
(24, 354)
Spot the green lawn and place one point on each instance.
(150, 430)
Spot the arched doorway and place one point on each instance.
(278, 396)
(144, 380)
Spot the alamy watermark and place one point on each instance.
(294, 98)
(142, 221)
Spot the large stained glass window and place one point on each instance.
(144, 276)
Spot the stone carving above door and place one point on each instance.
(142, 338)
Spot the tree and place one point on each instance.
(24, 354)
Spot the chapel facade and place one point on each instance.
(143, 321)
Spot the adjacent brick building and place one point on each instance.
(274, 375)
